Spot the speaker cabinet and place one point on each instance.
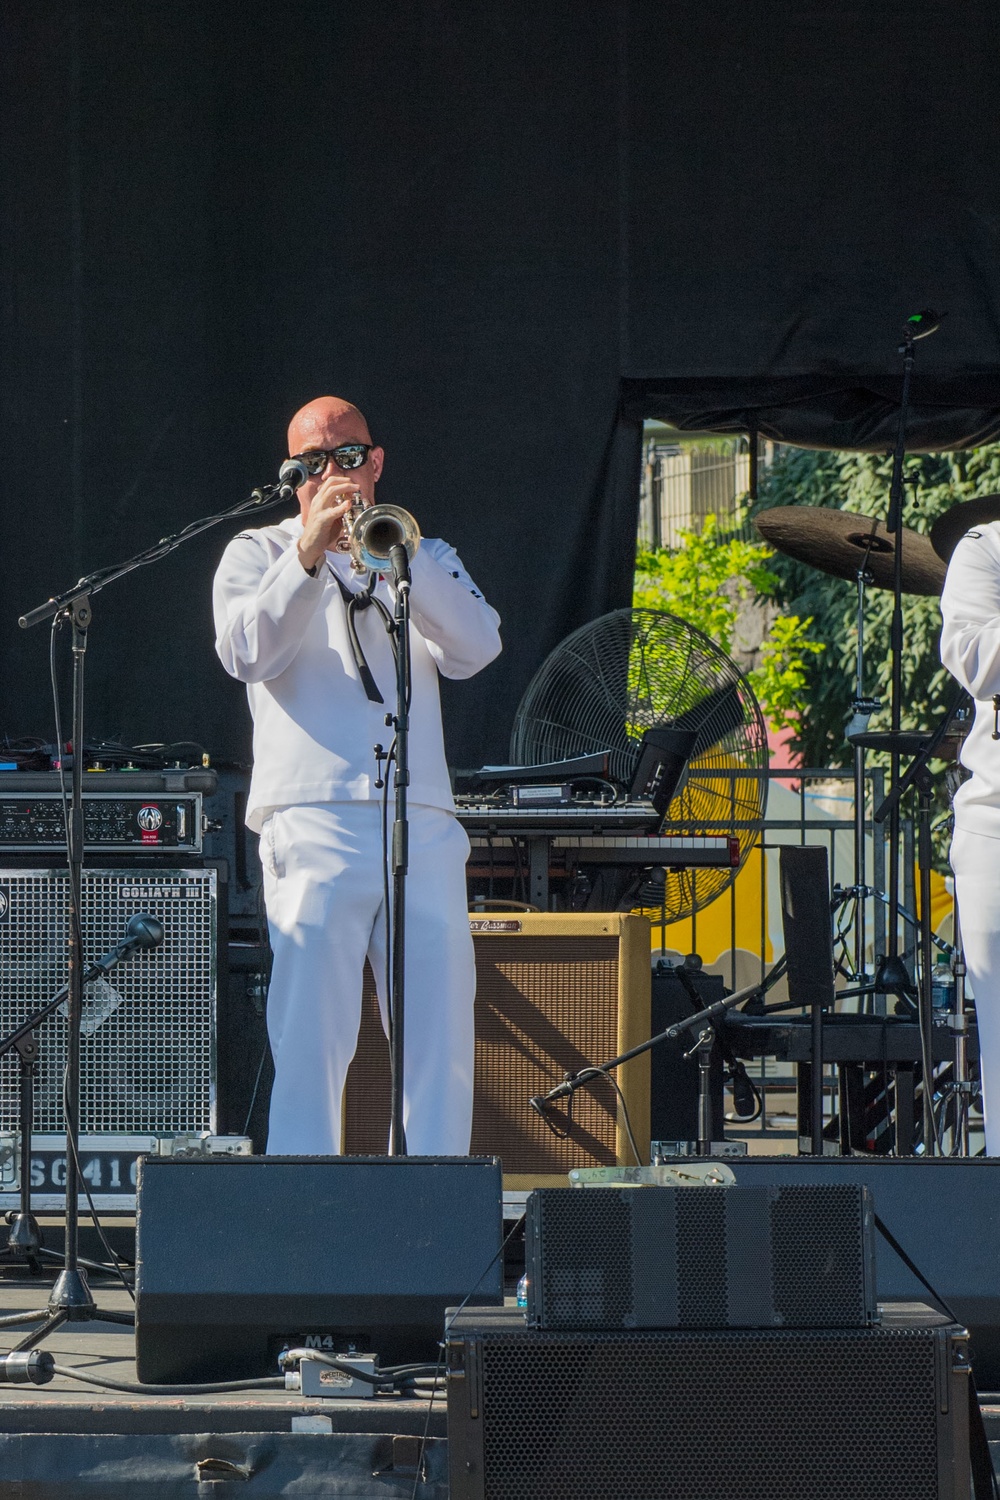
(943, 1211)
(147, 1055)
(555, 993)
(238, 1258)
(841, 1414)
(701, 1257)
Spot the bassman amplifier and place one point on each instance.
(556, 993)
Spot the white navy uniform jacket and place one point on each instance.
(285, 635)
(970, 649)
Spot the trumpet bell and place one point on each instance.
(376, 531)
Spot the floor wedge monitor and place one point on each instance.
(240, 1258)
(556, 993)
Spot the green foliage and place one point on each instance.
(706, 582)
(860, 482)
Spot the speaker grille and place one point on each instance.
(841, 1415)
(148, 1066)
(701, 1257)
(583, 1290)
(807, 1291)
(546, 1005)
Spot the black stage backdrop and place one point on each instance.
(486, 225)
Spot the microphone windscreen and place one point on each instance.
(145, 929)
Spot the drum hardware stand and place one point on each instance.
(918, 774)
(71, 1299)
(961, 1089)
(862, 709)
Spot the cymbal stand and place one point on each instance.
(862, 709)
(920, 325)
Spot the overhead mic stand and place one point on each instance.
(920, 325)
(71, 1298)
(702, 1049)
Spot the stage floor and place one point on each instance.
(66, 1440)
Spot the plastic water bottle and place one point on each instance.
(942, 986)
(522, 1292)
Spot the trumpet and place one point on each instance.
(371, 532)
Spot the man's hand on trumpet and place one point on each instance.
(324, 525)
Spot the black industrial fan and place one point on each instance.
(636, 670)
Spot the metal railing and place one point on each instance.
(682, 484)
(806, 806)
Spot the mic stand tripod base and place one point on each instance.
(24, 1242)
(71, 1302)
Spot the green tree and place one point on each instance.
(707, 581)
(859, 482)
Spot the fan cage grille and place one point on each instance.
(636, 669)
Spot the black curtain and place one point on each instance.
(508, 233)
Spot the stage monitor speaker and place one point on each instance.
(807, 923)
(789, 1414)
(944, 1212)
(239, 1258)
(147, 1053)
(555, 993)
(673, 1077)
(701, 1257)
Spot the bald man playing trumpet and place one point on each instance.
(282, 600)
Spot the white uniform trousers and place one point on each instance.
(975, 859)
(323, 889)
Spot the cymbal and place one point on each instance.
(839, 542)
(949, 529)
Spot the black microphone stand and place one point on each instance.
(894, 967)
(702, 1048)
(400, 840)
(71, 1298)
(24, 1242)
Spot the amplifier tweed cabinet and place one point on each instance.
(556, 992)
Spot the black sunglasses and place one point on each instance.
(347, 456)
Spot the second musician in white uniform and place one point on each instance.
(970, 649)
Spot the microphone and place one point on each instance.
(400, 563)
(920, 325)
(541, 1102)
(144, 930)
(292, 473)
